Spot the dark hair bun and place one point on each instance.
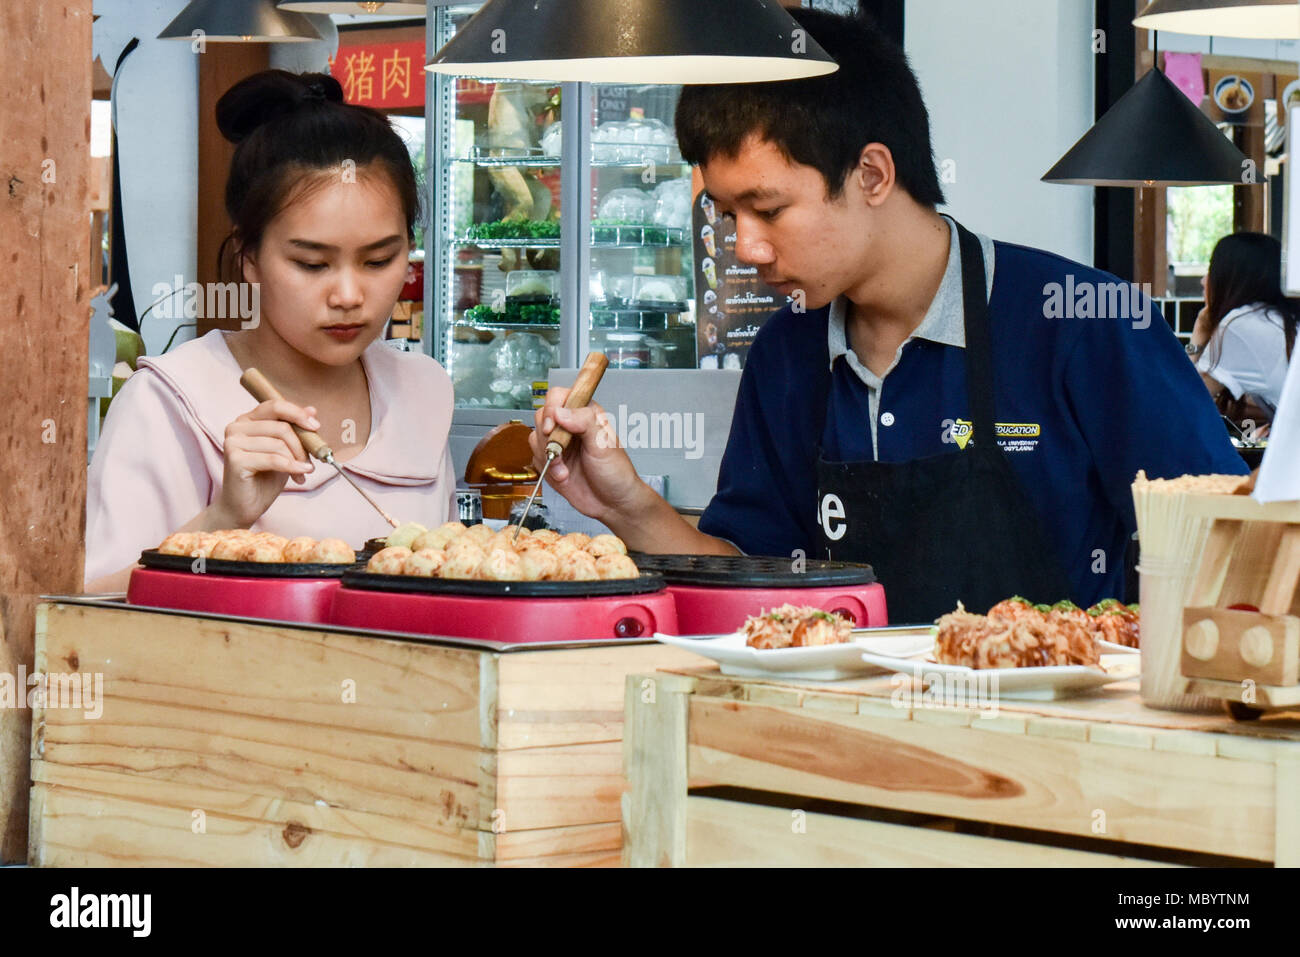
(272, 95)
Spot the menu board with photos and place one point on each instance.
(731, 301)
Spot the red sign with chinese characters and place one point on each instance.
(385, 76)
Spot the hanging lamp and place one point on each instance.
(633, 41)
(235, 21)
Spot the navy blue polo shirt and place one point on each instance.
(1081, 403)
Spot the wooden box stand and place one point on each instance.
(1241, 626)
(733, 771)
(227, 742)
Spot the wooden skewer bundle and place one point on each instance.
(1172, 541)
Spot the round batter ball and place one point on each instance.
(616, 566)
(479, 533)
(388, 561)
(577, 539)
(438, 538)
(179, 543)
(576, 566)
(333, 551)
(261, 551)
(537, 564)
(545, 536)
(404, 535)
(603, 545)
(502, 565)
(426, 563)
(229, 548)
(463, 560)
(300, 550)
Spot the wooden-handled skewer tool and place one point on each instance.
(589, 376)
(260, 388)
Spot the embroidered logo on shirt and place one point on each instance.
(1012, 436)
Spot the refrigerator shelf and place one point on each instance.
(538, 160)
(602, 237)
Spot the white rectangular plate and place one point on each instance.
(821, 663)
(1027, 684)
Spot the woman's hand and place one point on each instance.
(261, 453)
(594, 473)
(1201, 329)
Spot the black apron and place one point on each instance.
(950, 527)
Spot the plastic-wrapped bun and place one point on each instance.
(544, 536)
(404, 535)
(603, 545)
(261, 551)
(577, 539)
(179, 543)
(616, 566)
(463, 560)
(538, 564)
(300, 550)
(333, 551)
(577, 566)
(388, 561)
(502, 565)
(426, 563)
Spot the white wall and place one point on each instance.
(1009, 86)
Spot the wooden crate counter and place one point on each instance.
(228, 742)
(729, 771)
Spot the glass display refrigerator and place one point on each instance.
(560, 224)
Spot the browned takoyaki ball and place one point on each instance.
(616, 566)
(603, 545)
(333, 551)
(502, 565)
(537, 564)
(300, 550)
(463, 560)
(426, 563)
(388, 561)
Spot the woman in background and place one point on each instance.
(1244, 337)
(324, 202)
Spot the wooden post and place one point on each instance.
(44, 339)
(220, 67)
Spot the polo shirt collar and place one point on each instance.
(945, 320)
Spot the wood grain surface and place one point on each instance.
(44, 245)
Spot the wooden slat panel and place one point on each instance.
(723, 833)
(559, 786)
(654, 761)
(573, 696)
(260, 710)
(173, 806)
(44, 337)
(1167, 799)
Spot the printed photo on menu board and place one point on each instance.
(731, 302)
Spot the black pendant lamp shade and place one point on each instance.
(232, 21)
(1259, 19)
(396, 8)
(1154, 136)
(633, 41)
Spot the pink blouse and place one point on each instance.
(159, 459)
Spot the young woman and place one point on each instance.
(1244, 337)
(324, 202)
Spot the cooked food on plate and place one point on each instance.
(1018, 634)
(454, 551)
(792, 626)
(243, 545)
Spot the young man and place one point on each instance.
(922, 404)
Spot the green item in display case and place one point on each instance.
(515, 229)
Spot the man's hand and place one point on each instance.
(594, 473)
